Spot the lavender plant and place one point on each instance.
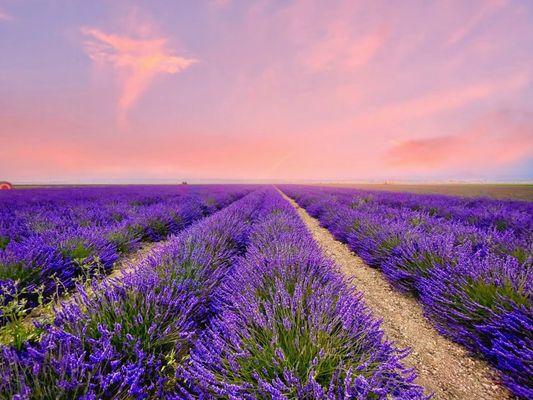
(240, 305)
(56, 237)
(288, 327)
(126, 339)
(468, 260)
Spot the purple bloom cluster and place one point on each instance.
(241, 305)
(288, 327)
(470, 262)
(53, 237)
(130, 338)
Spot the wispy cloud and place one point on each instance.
(488, 9)
(432, 104)
(137, 60)
(4, 16)
(496, 140)
(220, 3)
(341, 50)
(431, 153)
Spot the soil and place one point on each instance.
(444, 368)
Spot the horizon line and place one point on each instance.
(273, 181)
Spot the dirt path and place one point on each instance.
(443, 367)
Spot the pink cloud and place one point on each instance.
(137, 61)
(363, 50)
(488, 9)
(440, 101)
(431, 153)
(5, 16)
(340, 50)
(220, 3)
(497, 140)
(174, 155)
(298, 89)
(336, 43)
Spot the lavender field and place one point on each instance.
(266, 200)
(241, 305)
(51, 239)
(468, 261)
(240, 302)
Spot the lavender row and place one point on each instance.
(131, 339)
(511, 216)
(51, 238)
(288, 327)
(241, 305)
(475, 283)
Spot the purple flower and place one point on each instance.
(468, 260)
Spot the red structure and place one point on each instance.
(5, 185)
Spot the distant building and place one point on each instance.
(184, 182)
(5, 185)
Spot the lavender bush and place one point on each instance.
(240, 305)
(288, 327)
(468, 260)
(128, 338)
(52, 238)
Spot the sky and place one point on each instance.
(301, 90)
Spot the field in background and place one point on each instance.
(230, 275)
(498, 191)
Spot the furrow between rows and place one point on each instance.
(443, 366)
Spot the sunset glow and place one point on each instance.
(158, 91)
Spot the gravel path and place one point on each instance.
(444, 367)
